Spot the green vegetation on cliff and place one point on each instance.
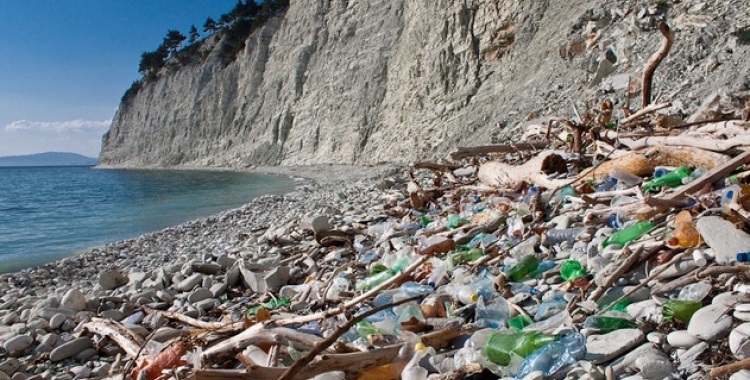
(233, 28)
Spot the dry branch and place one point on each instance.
(126, 339)
(653, 63)
(468, 151)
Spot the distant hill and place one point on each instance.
(48, 159)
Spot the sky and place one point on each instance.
(64, 65)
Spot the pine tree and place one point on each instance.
(194, 35)
(210, 26)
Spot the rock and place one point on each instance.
(743, 316)
(603, 348)
(80, 372)
(86, 355)
(113, 314)
(740, 375)
(112, 279)
(70, 349)
(655, 337)
(199, 294)
(730, 299)
(189, 283)
(56, 321)
(725, 239)
(9, 366)
(73, 300)
(320, 224)
(710, 323)
(681, 339)
(647, 350)
(739, 341)
(17, 345)
(218, 289)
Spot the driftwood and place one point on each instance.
(645, 111)
(622, 269)
(730, 368)
(468, 151)
(130, 342)
(261, 333)
(698, 275)
(350, 363)
(217, 327)
(503, 175)
(695, 142)
(653, 63)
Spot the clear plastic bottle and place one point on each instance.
(554, 356)
(413, 289)
(625, 177)
(557, 236)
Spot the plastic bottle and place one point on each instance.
(463, 293)
(625, 177)
(500, 346)
(557, 236)
(743, 257)
(270, 305)
(685, 236)
(525, 266)
(455, 221)
(607, 323)
(555, 356)
(608, 184)
(365, 329)
(484, 287)
(671, 179)
(571, 270)
(550, 307)
(697, 173)
(519, 322)
(628, 234)
(680, 310)
(375, 280)
(467, 256)
(524, 248)
(413, 289)
(567, 192)
(492, 315)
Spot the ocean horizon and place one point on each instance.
(51, 212)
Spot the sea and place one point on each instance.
(48, 213)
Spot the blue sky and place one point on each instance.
(64, 65)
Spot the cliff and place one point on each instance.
(344, 81)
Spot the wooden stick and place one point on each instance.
(730, 368)
(645, 281)
(653, 63)
(467, 151)
(645, 111)
(351, 363)
(292, 371)
(126, 339)
(713, 145)
(622, 269)
(219, 327)
(261, 333)
(705, 272)
(357, 300)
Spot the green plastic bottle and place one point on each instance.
(629, 234)
(375, 280)
(607, 324)
(671, 179)
(522, 269)
(469, 256)
(500, 346)
(571, 270)
(680, 310)
(270, 305)
(365, 329)
(455, 221)
(519, 322)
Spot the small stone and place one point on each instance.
(73, 300)
(655, 337)
(740, 375)
(603, 348)
(70, 349)
(729, 299)
(11, 318)
(86, 354)
(207, 304)
(189, 283)
(739, 341)
(56, 321)
(725, 239)
(218, 289)
(80, 372)
(17, 345)
(9, 366)
(743, 316)
(112, 279)
(710, 323)
(199, 294)
(112, 314)
(621, 365)
(681, 339)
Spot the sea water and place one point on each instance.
(47, 213)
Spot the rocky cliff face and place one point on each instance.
(345, 81)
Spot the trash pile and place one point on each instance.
(559, 257)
